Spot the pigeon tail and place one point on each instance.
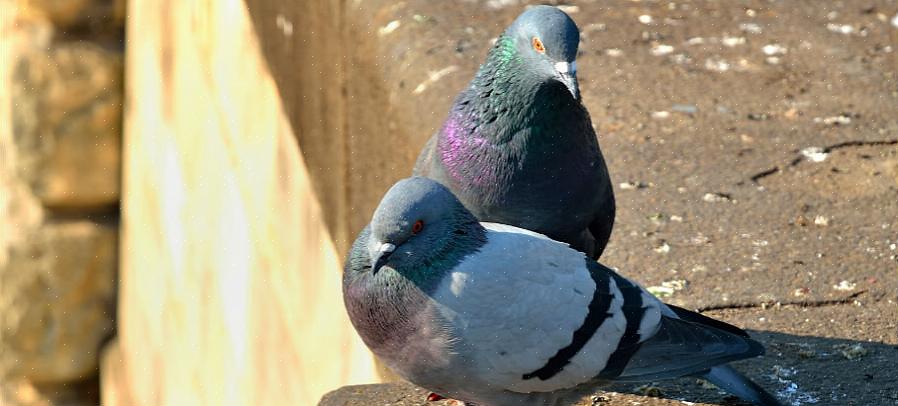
(730, 380)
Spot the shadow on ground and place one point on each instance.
(800, 370)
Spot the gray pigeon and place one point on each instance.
(492, 314)
(518, 146)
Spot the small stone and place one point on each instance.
(661, 49)
(699, 239)
(685, 108)
(649, 390)
(664, 248)
(389, 28)
(732, 41)
(821, 221)
(845, 29)
(851, 351)
(646, 19)
(716, 197)
(750, 28)
(717, 65)
(659, 115)
(807, 353)
(774, 49)
(680, 59)
(421, 19)
(632, 185)
(841, 119)
(614, 52)
(845, 286)
(597, 399)
(706, 385)
(656, 218)
(783, 372)
(758, 116)
(815, 154)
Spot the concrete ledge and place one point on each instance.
(822, 355)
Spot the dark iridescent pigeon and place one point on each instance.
(518, 147)
(493, 314)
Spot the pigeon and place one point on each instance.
(492, 314)
(518, 146)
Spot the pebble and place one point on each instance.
(815, 154)
(646, 19)
(845, 29)
(685, 108)
(841, 119)
(390, 27)
(751, 28)
(717, 64)
(614, 52)
(774, 49)
(715, 197)
(633, 185)
(845, 286)
(662, 49)
(732, 41)
(851, 351)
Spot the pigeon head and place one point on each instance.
(416, 223)
(547, 39)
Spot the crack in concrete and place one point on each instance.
(800, 303)
(797, 160)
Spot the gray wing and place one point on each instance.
(682, 348)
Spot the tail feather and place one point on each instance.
(730, 380)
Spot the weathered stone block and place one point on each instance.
(56, 300)
(69, 13)
(67, 124)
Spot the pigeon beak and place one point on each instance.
(381, 256)
(567, 74)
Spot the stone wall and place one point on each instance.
(60, 137)
(60, 141)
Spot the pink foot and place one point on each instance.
(433, 397)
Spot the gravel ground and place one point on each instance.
(754, 150)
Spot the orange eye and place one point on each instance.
(417, 227)
(538, 45)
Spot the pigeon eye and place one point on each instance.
(417, 227)
(538, 45)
